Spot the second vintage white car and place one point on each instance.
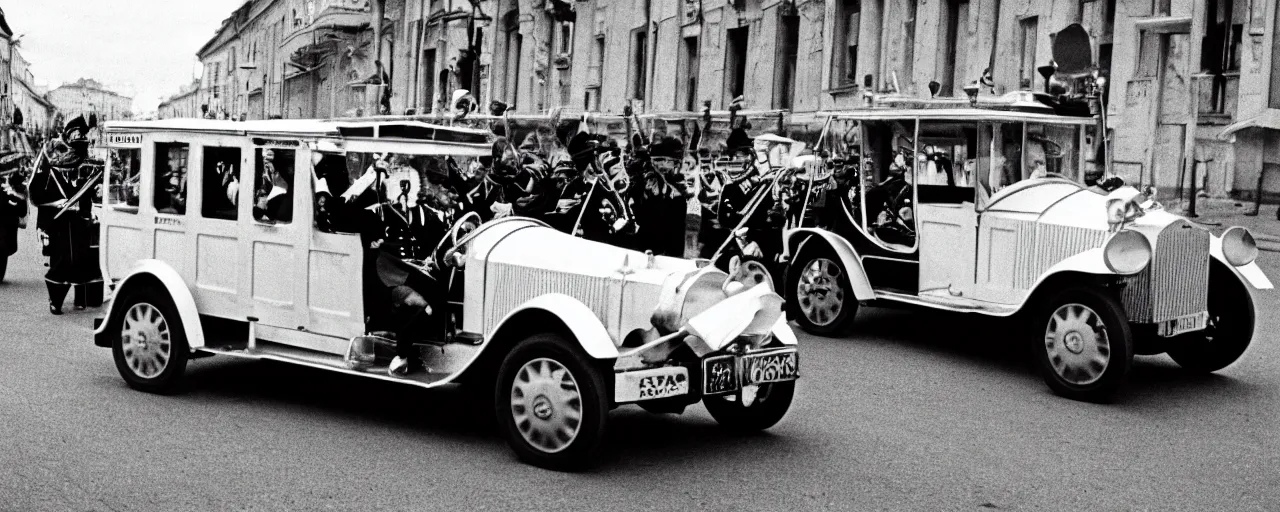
(984, 211)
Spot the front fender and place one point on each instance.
(588, 330)
(800, 237)
(178, 293)
(1088, 262)
(1250, 273)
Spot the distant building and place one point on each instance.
(185, 104)
(86, 96)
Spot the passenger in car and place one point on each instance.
(273, 201)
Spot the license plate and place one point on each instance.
(728, 373)
(1183, 324)
(779, 366)
(650, 384)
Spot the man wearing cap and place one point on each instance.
(659, 194)
(72, 259)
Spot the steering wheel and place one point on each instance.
(449, 245)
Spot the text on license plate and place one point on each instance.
(728, 373)
(1183, 324)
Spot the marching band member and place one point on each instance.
(72, 261)
(13, 209)
(659, 193)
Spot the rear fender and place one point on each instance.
(147, 273)
(798, 239)
(1250, 273)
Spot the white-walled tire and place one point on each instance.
(1083, 345)
(148, 342)
(552, 403)
(819, 293)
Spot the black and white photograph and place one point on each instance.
(593, 255)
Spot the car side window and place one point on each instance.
(946, 161)
(126, 169)
(220, 180)
(273, 185)
(171, 177)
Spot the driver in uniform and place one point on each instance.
(398, 234)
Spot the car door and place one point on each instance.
(275, 242)
(946, 211)
(217, 163)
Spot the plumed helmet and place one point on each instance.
(669, 147)
(582, 149)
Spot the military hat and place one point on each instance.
(582, 148)
(669, 147)
(76, 129)
(739, 141)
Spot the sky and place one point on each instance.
(143, 48)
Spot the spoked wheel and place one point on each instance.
(752, 408)
(820, 294)
(552, 404)
(1227, 334)
(150, 349)
(1085, 347)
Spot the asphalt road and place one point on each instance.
(916, 411)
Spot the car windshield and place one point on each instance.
(1009, 153)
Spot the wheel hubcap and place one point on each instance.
(1076, 342)
(546, 405)
(819, 293)
(144, 339)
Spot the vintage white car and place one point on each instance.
(984, 211)
(557, 329)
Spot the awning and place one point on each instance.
(1268, 119)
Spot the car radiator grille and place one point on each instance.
(509, 286)
(1176, 282)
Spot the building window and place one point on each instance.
(953, 57)
(1148, 55)
(735, 72)
(788, 49)
(847, 36)
(687, 79)
(909, 42)
(566, 38)
(639, 57)
(1027, 50)
(1275, 62)
(429, 85)
(596, 71)
(515, 47)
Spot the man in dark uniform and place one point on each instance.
(397, 262)
(659, 194)
(13, 208)
(72, 260)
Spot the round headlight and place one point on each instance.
(1239, 247)
(1127, 252)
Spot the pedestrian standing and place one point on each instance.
(72, 260)
(13, 215)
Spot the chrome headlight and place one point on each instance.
(1127, 252)
(1239, 247)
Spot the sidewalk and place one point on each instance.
(1220, 214)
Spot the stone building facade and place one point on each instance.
(1168, 98)
(185, 104)
(86, 96)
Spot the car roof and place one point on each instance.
(338, 128)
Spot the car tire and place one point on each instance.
(819, 295)
(770, 404)
(149, 344)
(1083, 345)
(1229, 331)
(546, 384)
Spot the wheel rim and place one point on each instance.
(1077, 344)
(144, 340)
(819, 293)
(546, 405)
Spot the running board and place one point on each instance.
(950, 303)
(286, 354)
